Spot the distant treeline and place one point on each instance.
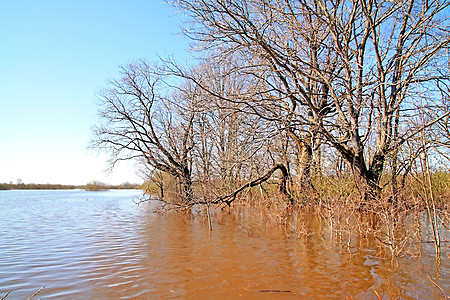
(35, 186)
(90, 186)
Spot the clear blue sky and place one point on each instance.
(54, 57)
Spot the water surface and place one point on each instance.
(101, 245)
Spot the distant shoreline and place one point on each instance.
(48, 186)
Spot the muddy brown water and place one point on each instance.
(100, 245)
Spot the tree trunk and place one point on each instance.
(187, 192)
(367, 180)
(303, 179)
(304, 161)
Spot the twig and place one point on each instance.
(378, 295)
(6, 295)
(209, 217)
(37, 292)
(438, 287)
(274, 291)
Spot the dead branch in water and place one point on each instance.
(232, 196)
(6, 295)
(229, 198)
(37, 292)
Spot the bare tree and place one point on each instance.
(280, 46)
(344, 72)
(143, 116)
(234, 144)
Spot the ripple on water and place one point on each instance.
(84, 245)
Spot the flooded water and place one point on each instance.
(100, 245)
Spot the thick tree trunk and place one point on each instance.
(304, 162)
(303, 179)
(188, 195)
(161, 191)
(367, 180)
(317, 160)
(187, 192)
